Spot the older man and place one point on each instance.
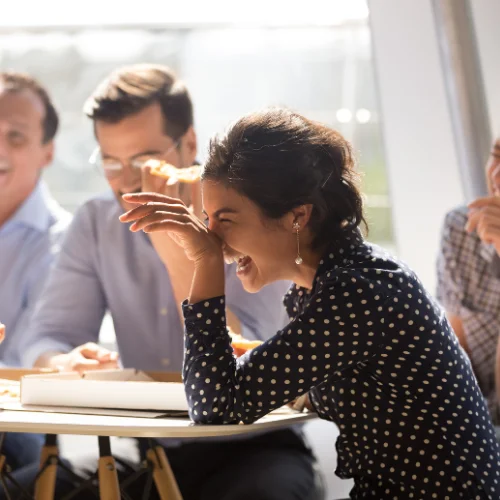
(31, 222)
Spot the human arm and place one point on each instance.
(458, 267)
(180, 268)
(37, 261)
(450, 280)
(497, 371)
(315, 345)
(259, 314)
(72, 304)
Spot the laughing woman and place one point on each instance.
(366, 342)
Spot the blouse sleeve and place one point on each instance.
(339, 326)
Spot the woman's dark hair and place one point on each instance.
(281, 160)
(131, 89)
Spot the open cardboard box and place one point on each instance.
(125, 393)
(126, 389)
(17, 373)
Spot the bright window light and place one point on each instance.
(100, 13)
(344, 115)
(363, 115)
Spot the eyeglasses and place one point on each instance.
(114, 168)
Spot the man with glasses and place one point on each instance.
(143, 112)
(31, 223)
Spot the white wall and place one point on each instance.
(486, 14)
(422, 165)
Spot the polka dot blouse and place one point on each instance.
(378, 358)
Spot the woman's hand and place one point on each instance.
(188, 193)
(157, 212)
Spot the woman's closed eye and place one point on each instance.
(206, 221)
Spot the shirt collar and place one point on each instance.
(338, 252)
(35, 211)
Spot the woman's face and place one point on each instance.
(263, 249)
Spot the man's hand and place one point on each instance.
(180, 268)
(86, 357)
(2, 332)
(484, 218)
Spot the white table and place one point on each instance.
(105, 426)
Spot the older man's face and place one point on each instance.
(22, 152)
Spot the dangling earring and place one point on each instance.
(296, 227)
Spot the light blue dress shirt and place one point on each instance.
(103, 267)
(29, 242)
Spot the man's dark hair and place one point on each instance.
(281, 160)
(14, 81)
(130, 89)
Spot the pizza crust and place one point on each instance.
(173, 174)
(241, 345)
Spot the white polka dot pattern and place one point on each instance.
(378, 358)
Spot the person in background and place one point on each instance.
(366, 342)
(468, 270)
(497, 383)
(139, 113)
(31, 223)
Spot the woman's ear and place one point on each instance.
(300, 216)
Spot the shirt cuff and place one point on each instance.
(205, 316)
(32, 353)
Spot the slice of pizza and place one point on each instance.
(173, 174)
(241, 345)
